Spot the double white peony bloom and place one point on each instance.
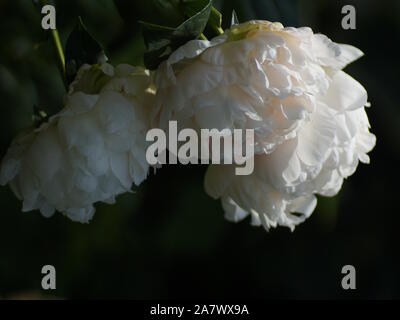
(287, 84)
(91, 151)
(308, 116)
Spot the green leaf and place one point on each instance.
(81, 48)
(166, 12)
(191, 7)
(161, 41)
(215, 18)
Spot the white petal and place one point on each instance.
(316, 138)
(217, 178)
(233, 212)
(345, 93)
(115, 111)
(120, 167)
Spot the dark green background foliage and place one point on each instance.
(169, 239)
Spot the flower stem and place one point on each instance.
(60, 53)
(218, 30)
(59, 50)
(202, 36)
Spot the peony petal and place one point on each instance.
(345, 93)
(115, 111)
(316, 138)
(233, 212)
(120, 167)
(217, 178)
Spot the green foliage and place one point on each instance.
(168, 24)
(162, 40)
(165, 12)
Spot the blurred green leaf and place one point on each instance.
(81, 48)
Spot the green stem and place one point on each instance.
(59, 50)
(202, 36)
(219, 30)
(60, 54)
(216, 29)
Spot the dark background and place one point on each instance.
(169, 239)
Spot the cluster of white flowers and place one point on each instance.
(92, 150)
(286, 84)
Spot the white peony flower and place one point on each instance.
(257, 75)
(91, 151)
(282, 188)
(308, 116)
